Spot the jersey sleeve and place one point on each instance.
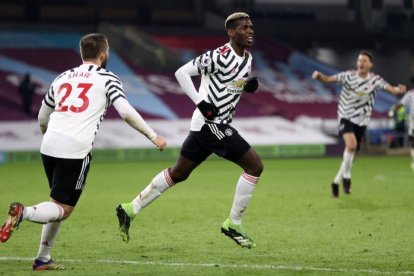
(183, 75)
(342, 76)
(49, 98)
(407, 98)
(381, 83)
(114, 88)
(206, 63)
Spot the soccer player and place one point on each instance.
(359, 88)
(224, 77)
(408, 102)
(70, 116)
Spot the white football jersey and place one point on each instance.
(358, 96)
(223, 74)
(408, 102)
(80, 98)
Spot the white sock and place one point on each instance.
(43, 212)
(348, 161)
(48, 237)
(157, 186)
(340, 173)
(412, 155)
(345, 168)
(244, 191)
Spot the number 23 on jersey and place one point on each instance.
(66, 89)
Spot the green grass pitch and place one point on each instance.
(299, 229)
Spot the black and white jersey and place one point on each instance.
(80, 98)
(223, 74)
(408, 102)
(357, 96)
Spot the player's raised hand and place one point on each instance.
(316, 75)
(160, 142)
(401, 89)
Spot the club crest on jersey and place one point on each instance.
(236, 86)
(360, 93)
(204, 62)
(228, 132)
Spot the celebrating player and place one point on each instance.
(69, 118)
(224, 77)
(359, 89)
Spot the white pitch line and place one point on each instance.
(243, 266)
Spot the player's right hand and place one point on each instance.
(316, 75)
(401, 89)
(209, 110)
(160, 142)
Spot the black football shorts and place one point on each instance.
(221, 139)
(66, 177)
(346, 126)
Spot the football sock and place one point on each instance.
(244, 191)
(43, 212)
(157, 186)
(339, 174)
(412, 155)
(48, 237)
(345, 168)
(348, 161)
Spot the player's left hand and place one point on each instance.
(251, 85)
(160, 142)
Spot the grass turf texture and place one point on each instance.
(299, 229)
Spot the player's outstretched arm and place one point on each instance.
(134, 119)
(43, 117)
(399, 89)
(316, 75)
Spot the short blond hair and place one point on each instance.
(232, 18)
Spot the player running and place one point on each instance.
(359, 89)
(224, 77)
(70, 116)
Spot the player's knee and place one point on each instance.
(352, 147)
(67, 211)
(256, 169)
(178, 176)
(259, 168)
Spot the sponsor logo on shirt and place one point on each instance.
(236, 86)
